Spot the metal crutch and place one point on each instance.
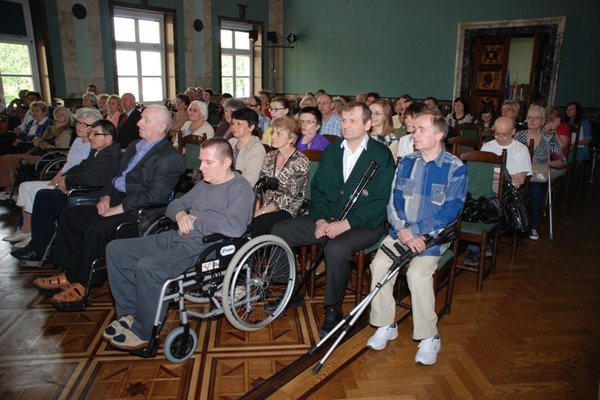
(447, 235)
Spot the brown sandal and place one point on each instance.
(59, 281)
(75, 292)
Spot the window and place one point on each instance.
(140, 54)
(18, 63)
(236, 59)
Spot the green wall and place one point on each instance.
(396, 47)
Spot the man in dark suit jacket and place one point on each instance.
(127, 128)
(150, 169)
(99, 168)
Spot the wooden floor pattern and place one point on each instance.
(532, 333)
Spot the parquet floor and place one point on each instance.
(532, 333)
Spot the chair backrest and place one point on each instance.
(332, 138)
(469, 130)
(480, 172)
(314, 157)
(463, 144)
(190, 146)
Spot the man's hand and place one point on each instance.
(417, 245)
(103, 205)
(110, 211)
(61, 185)
(405, 235)
(336, 228)
(54, 180)
(36, 141)
(185, 222)
(320, 228)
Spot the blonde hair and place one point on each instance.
(289, 124)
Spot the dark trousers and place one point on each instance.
(47, 207)
(537, 193)
(82, 237)
(300, 231)
(262, 224)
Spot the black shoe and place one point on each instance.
(26, 254)
(296, 301)
(332, 317)
(472, 258)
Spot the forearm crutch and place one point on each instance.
(406, 255)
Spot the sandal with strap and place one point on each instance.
(74, 293)
(59, 281)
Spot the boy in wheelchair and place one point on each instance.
(137, 268)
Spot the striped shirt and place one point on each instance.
(427, 196)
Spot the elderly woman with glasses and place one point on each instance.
(79, 151)
(547, 153)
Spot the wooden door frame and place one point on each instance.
(554, 26)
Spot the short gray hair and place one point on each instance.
(86, 112)
(202, 106)
(164, 115)
(91, 97)
(235, 104)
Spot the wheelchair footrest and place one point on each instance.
(71, 306)
(30, 264)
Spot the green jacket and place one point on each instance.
(329, 193)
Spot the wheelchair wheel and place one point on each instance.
(50, 170)
(180, 346)
(262, 271)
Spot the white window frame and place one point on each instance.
(243, 27)
(28, 41)
(138, 47)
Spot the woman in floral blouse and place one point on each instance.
(290, 168)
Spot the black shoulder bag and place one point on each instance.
(515, 211)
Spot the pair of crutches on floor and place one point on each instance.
(399, 261)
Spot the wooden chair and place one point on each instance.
(190, 147)
(470, 130)
(462, 144)
(480, 172)
(441, 279)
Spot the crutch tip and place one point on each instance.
(317, 368)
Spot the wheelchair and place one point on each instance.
(237, 276)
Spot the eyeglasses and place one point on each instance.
(94, 133)
(83, 124)
(305, 122)
(533, 118)
(276, 109)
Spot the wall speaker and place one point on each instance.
(272, 37)
(79, 11)
(253, 35)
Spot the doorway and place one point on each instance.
(482, 61)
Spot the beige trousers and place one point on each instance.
(420, 282)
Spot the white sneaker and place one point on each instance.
(428, 350)
(22, 243)
(533, 235)
(381, 336)
(17, 237)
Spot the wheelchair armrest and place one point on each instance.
(145, 218)
(213, 238)
(83, 196)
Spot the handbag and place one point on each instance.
(483, 209)
(515, 213)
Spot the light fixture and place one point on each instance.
(292, 38)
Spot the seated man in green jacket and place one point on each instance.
(340, 169)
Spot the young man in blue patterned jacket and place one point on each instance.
(428, 194)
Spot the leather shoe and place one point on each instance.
(25, 254)
(332, 317)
